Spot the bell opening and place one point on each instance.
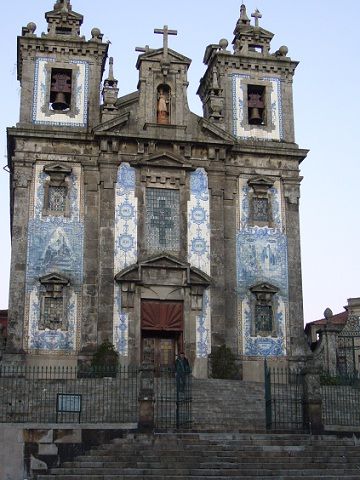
(256, 105)
(60, 90)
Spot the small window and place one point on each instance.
(256, 48)
(260, 202)
(52, 314)
(56, 191)
(60, 89)
(263, 319)
(261, 209)
(256, 105)
(263, 324)
(57, 198)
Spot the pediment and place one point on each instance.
(158, 56)
(54, 278)
(114, 124)
(164, 160)
(190, 275)
(264, 287)
(58, 169)
(260, 183)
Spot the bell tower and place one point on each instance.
(60, 72)
(249, 92)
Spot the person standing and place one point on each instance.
(182, 369)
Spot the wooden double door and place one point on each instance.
(161, 331)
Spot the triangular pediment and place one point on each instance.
(264, 287)
(157, 55)
(165, 262)
(260, 183)
(164, 160)
(57, 168)
(54, 278)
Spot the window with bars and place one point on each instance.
(52, 314)
(263, 319)
(260, 209)
(263, 323)
(56, 190)
(57, 198)
(162, 224)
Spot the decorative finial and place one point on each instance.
(111, 69)
(328, 314)
(243, 15)
(257, 15)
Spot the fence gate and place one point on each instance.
(284, 390)
(173, 398)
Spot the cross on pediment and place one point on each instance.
(257, 15)
(162, 220)
(165, 32)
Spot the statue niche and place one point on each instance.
(163, 104)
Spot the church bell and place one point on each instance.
(60, 91)
(256, 109)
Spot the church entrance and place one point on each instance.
(162, 325)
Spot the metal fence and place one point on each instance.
(173, 400)
(340, 401)
(284, 391)
(68, 395)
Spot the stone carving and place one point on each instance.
(163, 107)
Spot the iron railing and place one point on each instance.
(284, 391)
(68, 395)
(340, 400)
(173, 399)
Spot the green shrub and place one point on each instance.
(223, 363)
(105, 360)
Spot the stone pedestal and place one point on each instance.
(312, 401)
(146, 397)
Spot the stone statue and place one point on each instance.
(162, 108)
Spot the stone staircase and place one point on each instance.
(228, 405)
(216, 456)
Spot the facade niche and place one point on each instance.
(163, 104)
(263, 324)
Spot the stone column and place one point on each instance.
(312, 403)
(216, 186)
(230, 231)
(108, 174)
(21, 182)
(91, 260)
(297, 343)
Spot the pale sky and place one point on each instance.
(321, 34)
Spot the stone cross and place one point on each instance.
(145, 49)
(257, 15)
(166, 32)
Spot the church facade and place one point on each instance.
(135, 220)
